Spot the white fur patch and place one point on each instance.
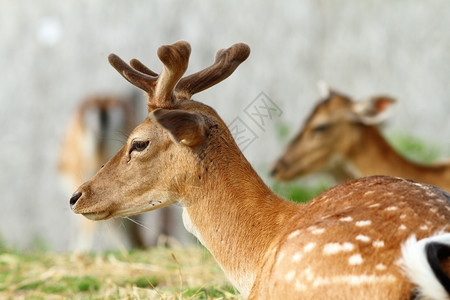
(293, 234)
(300, 286)
(391, 208)
(416, 267)
(355, 259)
(353, 280)
(378, 244)
(423, 227)
(309, 247)
(363, 238)
(297, 257)
(190, 226)
(289, 276)
(318, 231)
(363, 223)
(333, 248)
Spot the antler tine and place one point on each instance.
(136, 64)
(160, 88)
(225, 62)
(175, 59)
(144, 81)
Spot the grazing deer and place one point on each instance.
(373, 238)
(92, 137)
(342, 136)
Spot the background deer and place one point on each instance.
(371, 238)
(341, 136)
(95, 132)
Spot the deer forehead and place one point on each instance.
(147, 130)
(323, 117)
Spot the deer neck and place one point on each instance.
(235, 215)
(374, 156)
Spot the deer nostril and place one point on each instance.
(276, 168)
(274, 171)
(74, 199)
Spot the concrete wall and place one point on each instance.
(53, 53)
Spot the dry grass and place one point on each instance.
(156, 273)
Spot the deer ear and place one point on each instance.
(374, 110)
(185, 128)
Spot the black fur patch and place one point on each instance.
(414, 295)
(435, 253)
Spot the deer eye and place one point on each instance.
(321, 128)
(139, 146)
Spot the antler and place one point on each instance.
(159, 88)
(135, 63)
(225, 62)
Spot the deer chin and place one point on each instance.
(97, 216)
(152, 201)
(127, 212)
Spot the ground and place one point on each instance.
(156, 273)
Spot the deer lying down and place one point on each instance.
(372, 238)
(341, 136)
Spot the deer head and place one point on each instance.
(329, 134)
(143, 176)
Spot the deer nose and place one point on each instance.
(74, 199)
(274, 171)
(277, 167)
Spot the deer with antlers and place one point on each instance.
(372, 238)
(341, 136)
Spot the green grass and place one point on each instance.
(298, 192)
(415, 149)
(156, 273)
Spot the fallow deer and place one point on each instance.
(373, 238)
(341, 136)
(93, 135)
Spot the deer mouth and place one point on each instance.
(97, 216)
(284, 172)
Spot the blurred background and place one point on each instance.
(54, 53)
